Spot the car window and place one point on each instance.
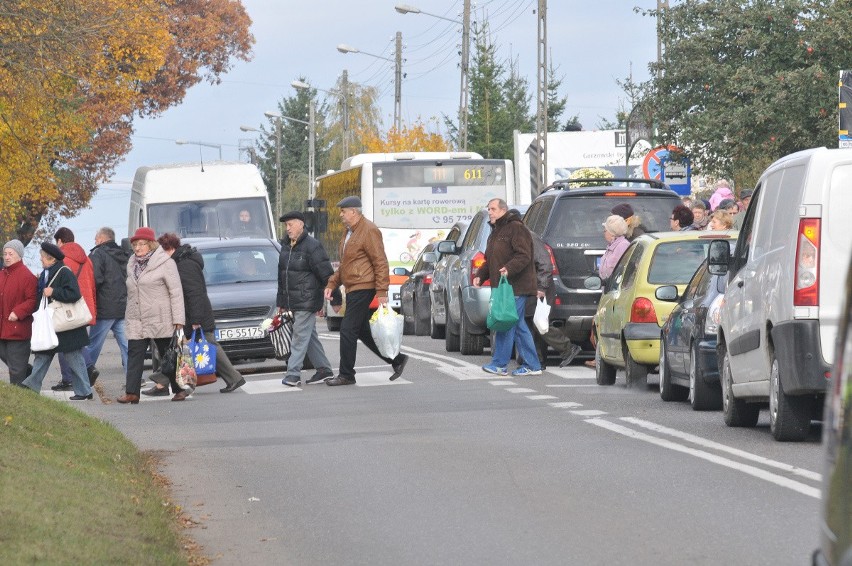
(241, 264)
(632, 266)
(541, 221)
(472, 231)
(744, 238)
(577, 219)
(674, 263)
(453, 236)
(699, 283)
(617, 275)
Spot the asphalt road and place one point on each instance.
(450, 466)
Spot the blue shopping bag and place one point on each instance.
(203, 354)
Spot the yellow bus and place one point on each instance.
(414, 198)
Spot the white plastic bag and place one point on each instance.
(541, 318)
(44, 336)
(386, 328)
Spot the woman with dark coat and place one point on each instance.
(58, 283)
(199, 315)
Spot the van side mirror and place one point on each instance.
(447, 247)
(719, 257)
(593, 283)
(666, 293)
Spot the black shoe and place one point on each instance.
(82, 397)
(62, 386)
(569, 357)
(340, 380)
(157, 392)
(320, 375)
(233, 387)
(93, 374)
(291, 382)
(399, 367)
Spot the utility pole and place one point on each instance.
(541, 100)
(465, 73)
(397, 99)
(661, 6)
(344, 100)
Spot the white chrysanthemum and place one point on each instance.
(201, 359)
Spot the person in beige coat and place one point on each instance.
(155, 307)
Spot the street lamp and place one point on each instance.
(344, 99)
(397, 61)
(278, 196)
(465, 61)
(204, 144)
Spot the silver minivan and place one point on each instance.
(780, 314)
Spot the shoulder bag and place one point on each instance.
(68, 316)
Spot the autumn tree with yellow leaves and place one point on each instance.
(73, 76)
(409, 138)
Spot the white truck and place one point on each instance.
(218, 200)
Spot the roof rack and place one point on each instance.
(563, 184)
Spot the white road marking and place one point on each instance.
(565, 404)
(374, 378)
(589, 413)
(722, 448)
(744, 468)
(573, 385)
(263, 386)
(520, 390)
(541, 397)
(502, 382)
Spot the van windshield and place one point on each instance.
(224, 218)
(579, 219)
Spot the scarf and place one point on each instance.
(141, 264)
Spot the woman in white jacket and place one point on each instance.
(155, 307)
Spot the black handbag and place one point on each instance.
(168, 361)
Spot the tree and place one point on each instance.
(351, 109)
(409, 138)
(745, 82)
(75, 74)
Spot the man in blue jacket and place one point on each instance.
(303, 271)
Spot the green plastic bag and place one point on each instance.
(502, 312)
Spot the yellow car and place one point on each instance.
(630, 314)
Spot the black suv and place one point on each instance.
(570, 220)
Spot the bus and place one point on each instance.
(201, 201)
(414, 198)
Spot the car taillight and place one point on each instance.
(643, 311)
(806, 290)
(555, 271)
(427, 279)
(475, 263)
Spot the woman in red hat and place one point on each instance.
(155, 307)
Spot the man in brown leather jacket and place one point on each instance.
(364, 273)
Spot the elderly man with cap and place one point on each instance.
(58, 283)
(17, 303)
(745, 201)
(303, 272)
(364, 272)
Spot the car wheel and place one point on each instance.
(702, 395)
(637, 374)
(421, 318)
(407, 325)
(668, 390)
(451, 332)
(789, 417)
(735, 411)
(604, 372)
(470, 344)
(333, 323)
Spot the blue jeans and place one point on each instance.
(503, 341)
(97, 337)
(76, 362)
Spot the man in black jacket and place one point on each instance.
(199, 314)
(109, 262)
(303, 272)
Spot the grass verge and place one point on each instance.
(74, 490)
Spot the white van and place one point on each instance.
(196, 201)
(780, 313)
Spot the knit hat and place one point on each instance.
(52, 250)
(15, 245)
(624, 210)
(615, 225)
(144, 233)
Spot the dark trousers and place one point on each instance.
(355, 325)
(16, 355)
(136, 360)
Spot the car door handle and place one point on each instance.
(740, 283)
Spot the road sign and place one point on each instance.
(658, 164)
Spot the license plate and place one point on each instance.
(248, 333)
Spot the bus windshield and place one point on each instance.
(434, 194)
(227, 218)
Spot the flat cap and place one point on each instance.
(292, 215)
(624, 210)
(727, 203)
(350, 202)
(52, 250)
(746, 193)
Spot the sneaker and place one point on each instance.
(522, 371)
(320, 375)
(291, 381)
(62, 386)
(569, 357)
(491, 368)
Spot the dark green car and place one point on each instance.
(836, 527)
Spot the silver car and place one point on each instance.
(437, 290)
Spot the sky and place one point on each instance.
(592, 44)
